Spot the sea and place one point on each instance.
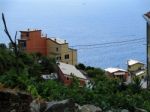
(106, 33)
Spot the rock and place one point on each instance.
(61, 106)
(109, 111)
(13, 110)
(78, 107)
(140, 110)
(124, 110)
(38, 105)
(90, 108)
(43, 106)
(35, 106)
(14, 101)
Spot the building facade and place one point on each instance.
(136, 68)
(117, 73)
(66, 73)
(59, 49)
(32, 41)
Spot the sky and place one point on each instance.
(83, 22)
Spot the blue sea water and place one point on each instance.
(85, 22)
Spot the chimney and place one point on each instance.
(64, 41)
(28, 29)
(55, 39)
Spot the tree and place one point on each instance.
(81, 66)
(2, 45)
(14, 43)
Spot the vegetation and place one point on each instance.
(106, 93)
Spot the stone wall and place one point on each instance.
(13, 101)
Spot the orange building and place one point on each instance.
(32, 42)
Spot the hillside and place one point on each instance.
(106, 93)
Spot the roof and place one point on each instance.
(132, 62)
(147, 17)
(23, 39)
(68, 69)
(58, 40)
(30, 30)
(112, 70)
(72, 49)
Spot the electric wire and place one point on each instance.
(140, 41)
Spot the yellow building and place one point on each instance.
(59, 49)
(136, 68)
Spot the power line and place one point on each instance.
(93, 47)
(108, 43)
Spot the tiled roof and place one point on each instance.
(112, 70)
(70, 69)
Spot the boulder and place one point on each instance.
(14, 101)
(140, 110)
(124, 110)
(38, 105)
(35, 106)
(61, 106)
(109, 111)
(90, 108)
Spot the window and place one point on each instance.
(27, 34)
(129, 66)
(67, 78)
(58, 58)
(23, 44)
(56, 48)
(67, 56)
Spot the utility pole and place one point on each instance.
(147, 54)
(147, 18)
